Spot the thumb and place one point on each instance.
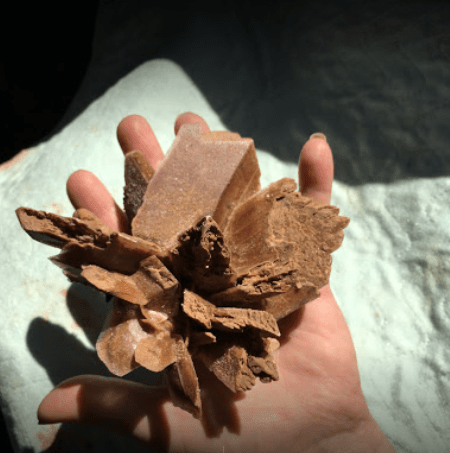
(118, 404)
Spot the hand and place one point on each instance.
(318, 403)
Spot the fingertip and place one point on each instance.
(316, 169)
(85, 190)
(317, 150)
(132, 123)
(135, 133)
(60, 405)
(76, 181)
(133, 120)
(188, 118)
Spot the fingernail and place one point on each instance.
(318, 135)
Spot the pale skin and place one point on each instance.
(316, 406)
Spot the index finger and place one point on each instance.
(135, 133)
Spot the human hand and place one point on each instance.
(317, 404)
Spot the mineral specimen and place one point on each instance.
(211, 265)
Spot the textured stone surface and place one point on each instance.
(202, 258)
(138, 173)
(152, 285)
(278, 225)
(210, 316)
(121, 334)
(229, 364)
(199, 177)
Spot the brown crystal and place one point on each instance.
(57, 231)
(183, 382)
(138, 173)
(202, 257)
(212, 264)
(264, 368)
(92, 220)
(198, 177)
(157, 351)
(152, 285)
(212, 317)
(121, 334)
(260, 282)
(229, 364)
(279, 225)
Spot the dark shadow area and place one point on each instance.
(370, 75)
(5, 440)
(89, 309)
(77, 438)
(46, 53)
(41, 74)
(219, 408)
(289, 323)
(136, 405)
(63, 355)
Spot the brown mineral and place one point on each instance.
(229, 364)
(202, 258)
(152, 285)
(228, 319)
(92, 220)
(264, 368)
(200, 176)
(121, 333)
(138, 173)
(82, 243)
(183, 382)
(212, 263)
(157, 351)
(279, 225)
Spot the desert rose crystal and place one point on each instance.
(211, 265)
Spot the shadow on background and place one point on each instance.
(370, 75)
(64, 356)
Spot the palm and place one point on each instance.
(318, 394)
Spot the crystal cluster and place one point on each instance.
(211, 265)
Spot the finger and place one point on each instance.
(316, 170)
(134, 133)
(117, 404)
(85, 190)
(135, 409)
(189, 117)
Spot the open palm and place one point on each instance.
(317, 404)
